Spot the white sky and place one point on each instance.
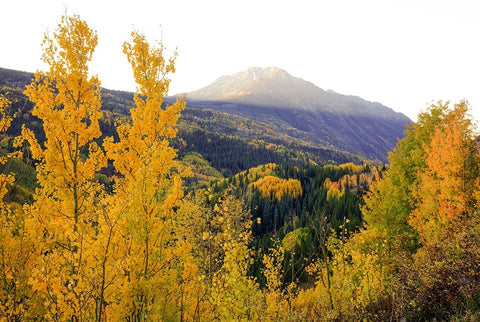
(403, 54)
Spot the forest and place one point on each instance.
(105, 220)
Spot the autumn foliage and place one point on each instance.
(143, 248)
(275, 188)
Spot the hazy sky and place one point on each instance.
(403, 54)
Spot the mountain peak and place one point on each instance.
(256, 85)
(239, 85)
(265, 73)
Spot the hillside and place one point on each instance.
(230, 142)
(301, 109)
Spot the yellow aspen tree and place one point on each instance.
(273, 272)
(390, 200)
(349, 287)
(275, 188)
(63, 217)
(279, 299)
(150, 187)
(421, 213)
(199, 227)
(234, 295)
(6, 276)
(106, 256)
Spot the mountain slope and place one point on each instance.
(233, 143)
(272, 95)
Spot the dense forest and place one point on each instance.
(104, 217)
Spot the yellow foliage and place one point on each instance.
(65, 210)
(15, 247)
(279, 299)
(334, 192)
(351, 182)
(275, 188)
(234, 295)
(156, 266)
(260, 171)
(144, 252)
(351, 167)
(5, 121)
(345, 288)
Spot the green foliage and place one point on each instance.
(296, 237)
(202, 171)
(25, 174)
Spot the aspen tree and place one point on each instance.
(150, 185)
(63, 217)
(278, 299)
(275, 188)
(200, 229)
(234, 295)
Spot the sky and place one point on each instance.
(403, 54)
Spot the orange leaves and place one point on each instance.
(357, 179)
(447, 187)
(334, 192)
(431, 191)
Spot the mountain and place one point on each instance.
(246, 129)
(272, 95)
